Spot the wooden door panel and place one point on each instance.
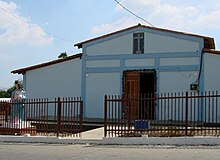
(132, 91)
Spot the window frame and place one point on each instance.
(138, 43)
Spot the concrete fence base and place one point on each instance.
(116, 140)
(163, 141)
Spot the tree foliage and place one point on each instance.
(7, 94)
(4, 94)
(62, 55)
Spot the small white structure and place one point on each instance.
(139, 59)
(5, 99)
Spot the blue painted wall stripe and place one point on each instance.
(122, 66)
(83, 81)
(159, 69)
(145, 55)
(25, 83)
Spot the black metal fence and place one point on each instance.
(59, 117)
(167, 114)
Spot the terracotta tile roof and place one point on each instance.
(23, 70)
(207, 50)
(208, 41)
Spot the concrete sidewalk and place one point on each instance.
(174, 141)
(95, 136)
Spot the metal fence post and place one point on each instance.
(7, 111)
(105, 116)
(58, 116)
(81, 115)
(129, 113)
(186, 121)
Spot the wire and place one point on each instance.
(139, 17)
(51, 34)
(134, 13)
(200, 68)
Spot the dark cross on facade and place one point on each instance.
(139, 37)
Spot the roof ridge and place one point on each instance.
(210, 39)
(23, 70)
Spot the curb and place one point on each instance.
(191, 141)
(49, 140)
(176, 141)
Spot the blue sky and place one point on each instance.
(23, 29)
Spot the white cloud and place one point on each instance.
(15, 28)
(211, 20)
(185, 17)
(117, 25)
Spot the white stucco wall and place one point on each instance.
(154, 43)
(103, 63)
(62, 79)
(212, 83)
(97, 85)
(179, 61)
(120, 45)
(212, 74)
(140, 62)
(176, 81)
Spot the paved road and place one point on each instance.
(69, 152)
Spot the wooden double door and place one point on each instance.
(138, 84)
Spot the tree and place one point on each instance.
(10, 90)
(4, 94)
(7, 94)
(62, 55)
